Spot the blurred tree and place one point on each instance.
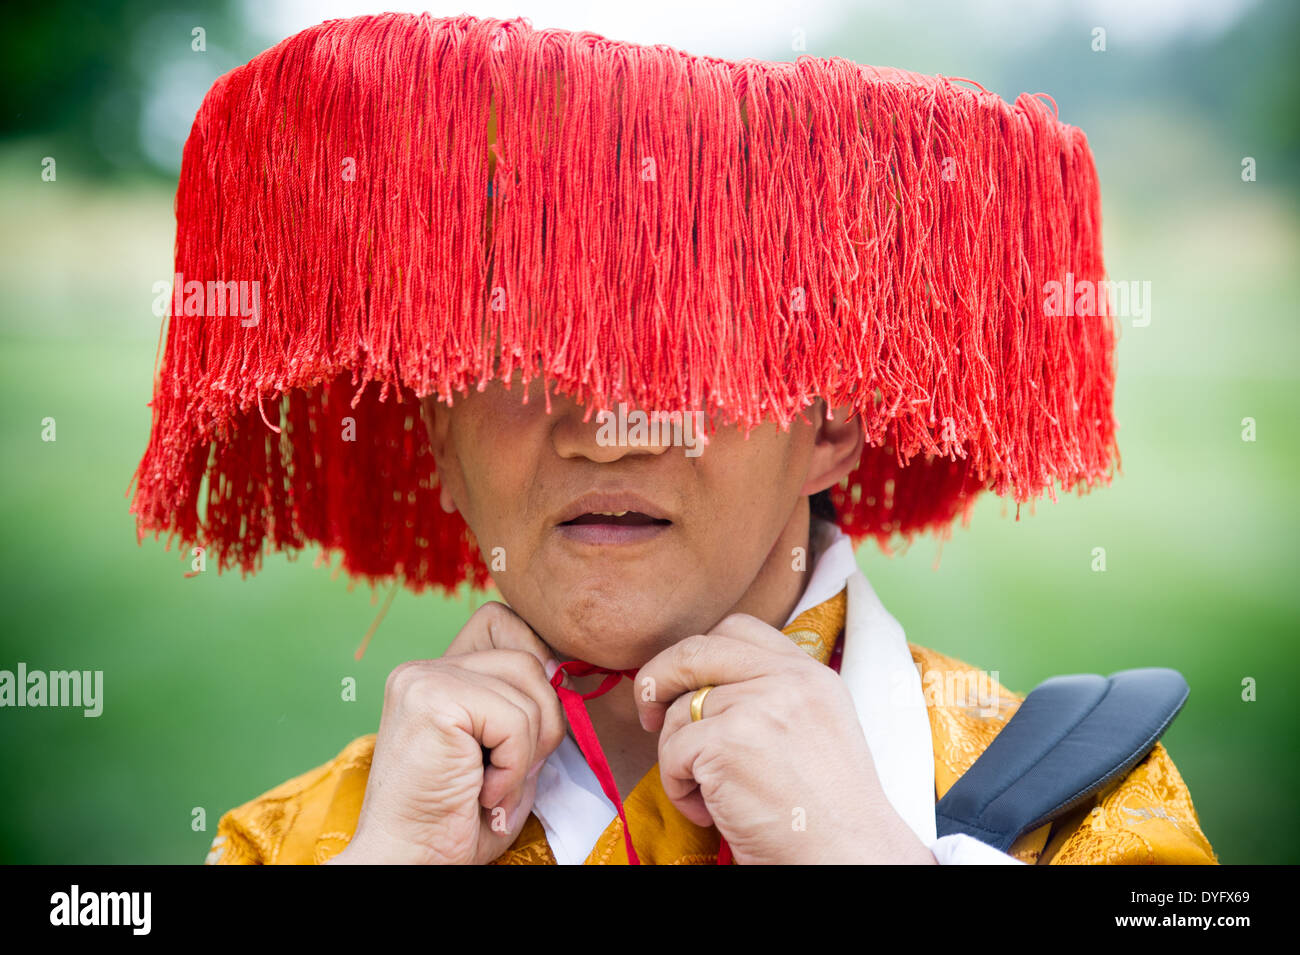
(80, 77)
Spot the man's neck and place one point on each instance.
(630, 750)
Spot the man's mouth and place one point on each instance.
(596, 519)
(619, 518)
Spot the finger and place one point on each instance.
(522, 672)
(510, 740)
(506, 820)
(511, 758)
(725, 698)
(432, 683)
(531, 709)
(494, 626)
(679, 756)
(467, 710)
(750, 629)
(712, 659)
(716, 702)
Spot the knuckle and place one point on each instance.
(523, 663)
(532, 711)
(688, 657)
(496, 620)
(426, 696)
(748, 733)
(402, 677)
(491, 612)
(736, 620)
(553, 731)
(418, 687)
(713, 760)
(479, 628)
(737, 624)
(517, 717)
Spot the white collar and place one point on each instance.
(882, 679)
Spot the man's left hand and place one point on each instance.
(779, 762)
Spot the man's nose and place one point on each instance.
(608, 435)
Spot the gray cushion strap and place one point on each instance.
(1071, 737)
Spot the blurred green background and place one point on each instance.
(218, 688)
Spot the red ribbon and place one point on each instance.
(585, 735)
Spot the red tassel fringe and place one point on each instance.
(799, 239)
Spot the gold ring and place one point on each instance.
(697, 703)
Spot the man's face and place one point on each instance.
(544, 496)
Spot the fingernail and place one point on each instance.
(551, 667)
(536, 769)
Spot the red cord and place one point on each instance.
(585, 734)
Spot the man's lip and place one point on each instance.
(614, 501)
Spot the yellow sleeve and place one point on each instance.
(303, 821)
(1146, 819)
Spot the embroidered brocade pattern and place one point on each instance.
(963, 723)
(307, 819)
(818, 629)
(256, 838)
(1148, 819)
(529, 848)
(605, 850)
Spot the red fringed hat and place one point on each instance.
(388, 207)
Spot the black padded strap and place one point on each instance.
(1070, 738)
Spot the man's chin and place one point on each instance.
(611, 621)
(614, 649)
(611, 635)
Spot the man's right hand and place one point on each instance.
(429, 797)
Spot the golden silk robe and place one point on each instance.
(1145, 818)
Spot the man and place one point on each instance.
(838, 269)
